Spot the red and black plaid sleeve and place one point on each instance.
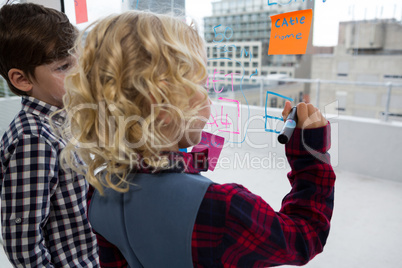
(235, 228)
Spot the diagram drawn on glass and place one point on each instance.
(266, 116)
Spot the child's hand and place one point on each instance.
(308, 116)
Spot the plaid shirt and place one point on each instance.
(43, 215)
(235, 228)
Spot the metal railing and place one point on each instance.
(265, 82)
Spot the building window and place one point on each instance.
(238, 51)
(255, 50)
(222, 64)
(341, 96)
(255, 64)
(342, 75)
(274, 102)
(388, 76)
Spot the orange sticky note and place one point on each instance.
(290, 32)
(81, 12)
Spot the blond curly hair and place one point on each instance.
(131, 68)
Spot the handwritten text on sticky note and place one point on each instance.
(290, 32)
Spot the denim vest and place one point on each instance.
(151, 224)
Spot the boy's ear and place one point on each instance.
(19, 80)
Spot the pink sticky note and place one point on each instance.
(81, 12)
(214, 144)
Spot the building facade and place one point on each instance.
(234, 58)
(243, 29)
(249, 21)
(161, 6)
(368, 52)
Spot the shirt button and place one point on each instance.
(18, 220)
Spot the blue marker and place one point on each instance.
(288, 127)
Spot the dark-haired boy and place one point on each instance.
(43, 215)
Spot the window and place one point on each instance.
(274, 102)
(255, 50)
(388, 76)
(217, 6)
(341, 96)
(238, 51)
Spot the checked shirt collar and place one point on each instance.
(42, 109)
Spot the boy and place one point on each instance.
(44, 222)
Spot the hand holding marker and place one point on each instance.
(288, 127)
(305, 116)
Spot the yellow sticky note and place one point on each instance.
(290, 32)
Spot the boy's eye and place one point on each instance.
(63, 67)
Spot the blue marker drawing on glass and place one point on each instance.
(223, 34)
(273, 117)
(256, 72)
(275, 2)
(246, 53)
